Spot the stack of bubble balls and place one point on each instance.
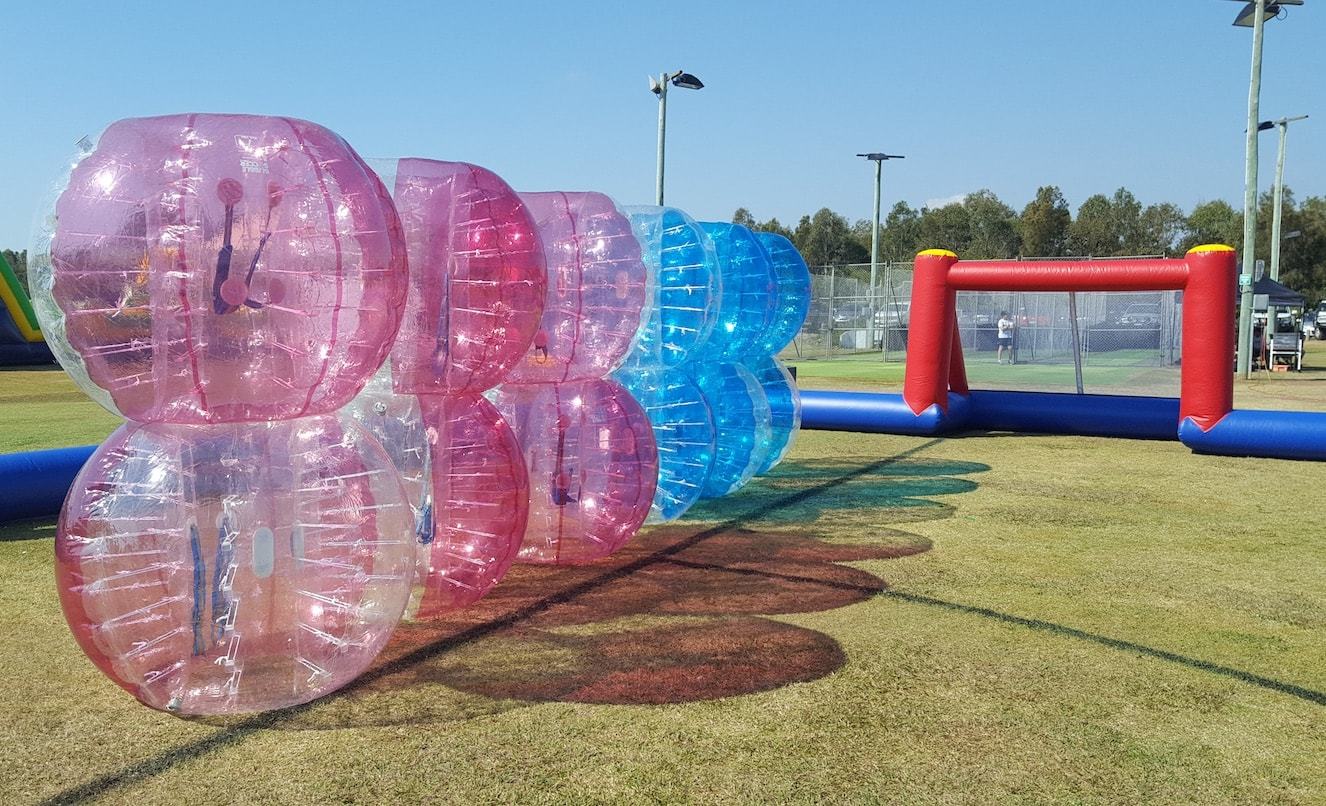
(684, 284)
(587, 444)
(359, 393)
(756, 407)
(477, 287)
(227, 283)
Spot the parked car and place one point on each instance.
(893, 315)
(1321, 319)
(851, 314)
(1140, 316)
(818, 317)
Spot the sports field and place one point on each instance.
(1128, 372)
(993, 618)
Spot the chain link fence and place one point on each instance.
(1099, 342)
(847, 321)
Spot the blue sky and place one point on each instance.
(1086, 94)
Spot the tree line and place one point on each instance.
(983, 227)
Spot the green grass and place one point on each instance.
(43, 409)
(997, 618)
(984, 372)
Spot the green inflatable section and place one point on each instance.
(21, 341)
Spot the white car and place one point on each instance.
(893, 315)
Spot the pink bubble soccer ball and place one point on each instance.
(234, 568)
(476, 278)
(597, 289)
(472, 529)
(221, 268)
(592, 467)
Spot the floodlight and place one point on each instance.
(686, 81)
(1270, 12)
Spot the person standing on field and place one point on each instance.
(1005, 326)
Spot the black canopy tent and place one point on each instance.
(1277, 295)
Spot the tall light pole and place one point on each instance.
(1283, 125)
(1253, 15)
(659, 86)
(877, 158)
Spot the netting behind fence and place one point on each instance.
(1126, 343)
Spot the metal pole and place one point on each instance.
(828, 342)
(874, 251)
(1271, 313)
(889, 305)
(1279, 200)
(1250, 197)
(1077, 352)
(662, 134)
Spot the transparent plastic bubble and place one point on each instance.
(477, 277)
(792, 298)
(592, 467)
(741, 422)
(683, 431)
(597, 289)
(748, 299)
(220, 268)
(685, 286)
(396, 422)
(784, 409)
(467, 484)
(233, 568)
(479, 503)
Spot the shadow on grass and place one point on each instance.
(903, 490)
(652, 624)
(675, 618)
(670, 630)
(30, 529)
(660, 556)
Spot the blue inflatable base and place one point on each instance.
(1252, 432)
(1030, 412)
(878, 413)
(34, 484)
(1265, 434)
(1080, 415)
